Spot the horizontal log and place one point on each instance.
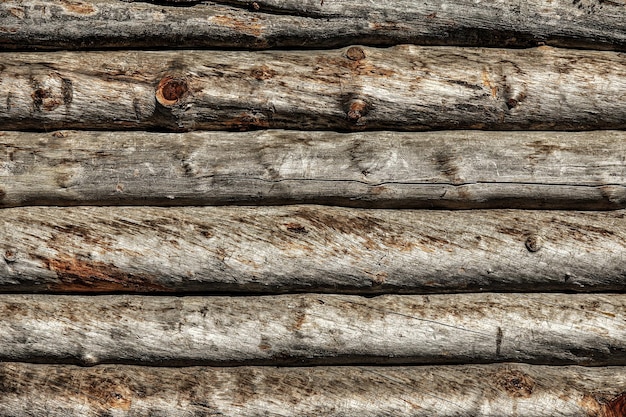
(308, 248)
(581, 329)
(358, 88)
(437, 391)
(62, 24)
(449, 169)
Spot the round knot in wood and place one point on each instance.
(533, 243)
(171, 90)
(356, 109)
(355, 53)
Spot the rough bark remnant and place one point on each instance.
(62, 24)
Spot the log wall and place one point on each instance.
(306, 208)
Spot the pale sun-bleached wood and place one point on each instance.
(448, 169)
(581, 329)
(62, 24)
(424, 391)
(309, 248)
(399, 88)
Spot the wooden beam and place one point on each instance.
(308, 248)
(448, 169)
(63, 24)
(438, 391)
(581, 329)
(358, 88)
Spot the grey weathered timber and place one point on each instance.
(308, 248)
(399, 88)
(424, 391)
(62, 24)
(581, 329)
(448, 169)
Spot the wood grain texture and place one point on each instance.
(425, 391)
(358, 88)
(308, 248)
(448, 169)
(62, 24)
(581, 329)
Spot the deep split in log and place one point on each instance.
(425, 391)
(308, 248)
(62, 24)
(399, 88)
(453, 169)
(581, 329)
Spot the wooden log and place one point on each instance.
(449, 169)
(308, 248)
(437, 391)
(62, 24)
(399, 88)
(581, 329)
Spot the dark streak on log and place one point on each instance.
(433, 391)
(62, 24)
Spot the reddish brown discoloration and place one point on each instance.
(91, 276)
(246, 121)
(515, 383)
(171, 90)
(249, 26)
(616, 407)
(296, 228)
(77, 7)
(262, 73)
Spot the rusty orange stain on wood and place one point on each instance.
(78, 7)
(616, 407)
(92, 276)
(247, 26)
(489, 84)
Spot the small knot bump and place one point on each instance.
(356, 109)
(255, 6)
(171, 90)
(355, 53)
(10, 255)
(533, 243)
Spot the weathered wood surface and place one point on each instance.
(308, 248)
(62, 24)
(399, 88)
(438, 391)
(581, 329)
(450, 169)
